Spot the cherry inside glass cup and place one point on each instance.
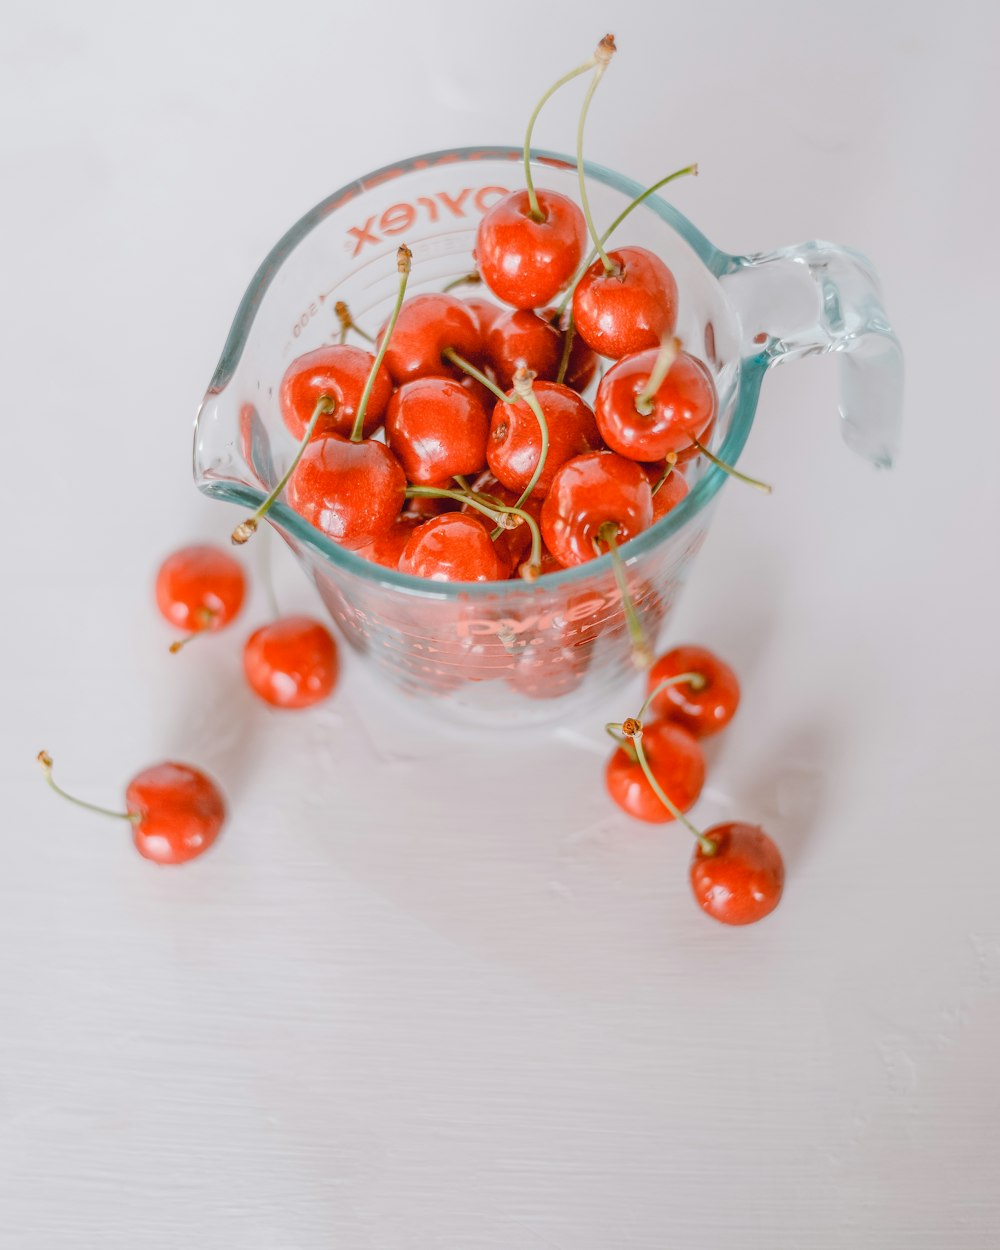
(511, 652)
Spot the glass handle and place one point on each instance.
(817, 298)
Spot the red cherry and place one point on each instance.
(437, 429)
(478, 392)
(455, 547)
(485, 312)
(388, 547)
(424, 506)
(687, 454)
(682, 407)
(291, 662)
(533, 338)
(667, 493)
(339, 372)
(515, 441)
(200, 587)
(701, 711)
(627, 310)
(675, 760)
(743, 880)
(427, 325)
(352, 492)
(525, 262)
(588, 492)
(176, 810)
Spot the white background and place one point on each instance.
(431, 990)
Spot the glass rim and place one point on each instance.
(750, 374)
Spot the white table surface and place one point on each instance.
(431, 990)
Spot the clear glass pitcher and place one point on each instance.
(512, 652)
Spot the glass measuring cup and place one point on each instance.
(510, 652)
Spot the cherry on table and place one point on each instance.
(741, 880)
(175, 810)
(676, 762)
(199, 588)
(291, 662)
(702, 709)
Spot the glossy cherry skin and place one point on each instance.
(291, 662)
(200, 587)
(668, 494)
(437, 429)
(455, 547)
(701, 712)
(629, 310)
(180, 812)
(588, 492)
(428, 324)
(523, 335)
(338, 372)
(352, 492)
(485, 312)
(675, 760)
(742, 882)
(388, 547)
(515, 441)
(524, 262)
(683, 406)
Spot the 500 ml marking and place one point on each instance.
(403, 216)
(304, 319)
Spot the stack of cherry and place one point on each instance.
(462, 448)
(657, 772)
(451, 453)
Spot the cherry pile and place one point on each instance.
(657, 772)
(462, 447)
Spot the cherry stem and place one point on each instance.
(665, 357)
(534, 211)
(46, 762)
(567, 348)
(706, 844)
(496, 512)
(756, 483)
(639, 199)
(614, 731)
(642, 657)
(472, 278)
(347, 322)
(605, 51)
(468, 367)
(523, 379)
(404, 258)
(695, 680)
(246, 529)
(205, 616)
(671, 459)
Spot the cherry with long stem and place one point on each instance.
(671, 461)
(691, 170)
(642, 656)
(764, 487)
(404, 261)
(246, 529)
(631, 731)
(523, 379)
(602, 57)
(347, 322)
(695, 680)
(535, 211)
(45, 760)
